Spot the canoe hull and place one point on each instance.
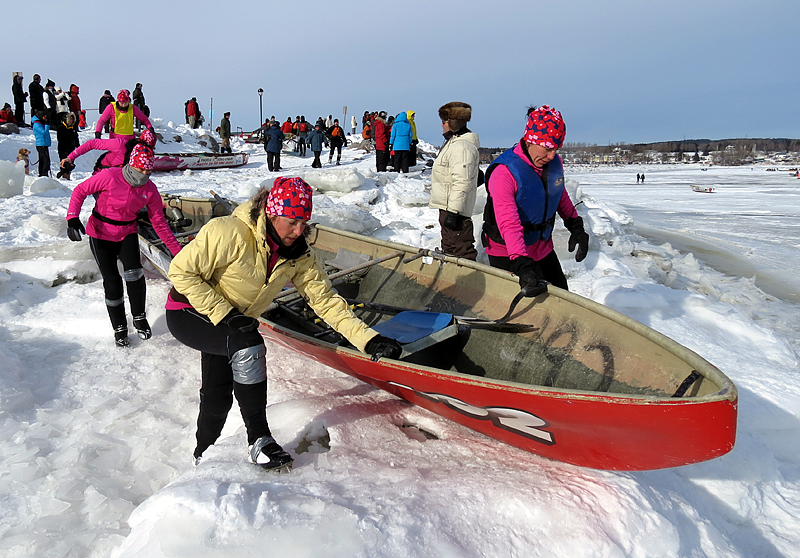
(179, 161)
(589, 430)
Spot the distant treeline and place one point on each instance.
(701, 146)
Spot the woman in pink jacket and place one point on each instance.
(113, 234)
(526, 190)
(121, 115)
(117, 151)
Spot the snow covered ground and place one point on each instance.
(95, 442)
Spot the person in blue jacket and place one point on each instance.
(273, 143)
(316, 139)
(400, 143)
(41, 131)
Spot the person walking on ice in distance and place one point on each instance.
(224, 280)
(113, 234)
(525, 188)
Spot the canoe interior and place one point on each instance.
(576, 345)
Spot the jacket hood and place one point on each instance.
(401, 117)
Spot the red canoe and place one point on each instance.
(562, 377)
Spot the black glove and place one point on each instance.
(529, 273)
(98, 135)
(452, 221)
(380, 346)
(238, 321)
(74, 229)
(577, 237)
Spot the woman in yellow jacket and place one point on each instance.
(224, 280)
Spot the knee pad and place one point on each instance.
(134, 274)
(249, 365)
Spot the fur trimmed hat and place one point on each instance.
(455, 111)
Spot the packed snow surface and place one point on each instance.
(96, 442)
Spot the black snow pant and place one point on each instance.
(106, 253)
(274, 161)
(218, 345)
(381, 160)
(317, 164)
(550, 267)
(458, 242)
(19, 113)
(44, 160)
(401, 159)
(338, 156)
(301, 145)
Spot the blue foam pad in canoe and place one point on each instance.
(412, 325)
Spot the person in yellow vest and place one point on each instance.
(121, 114)
(412, 151)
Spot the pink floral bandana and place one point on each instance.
(291, 198)
(142, 157)
(545, 127)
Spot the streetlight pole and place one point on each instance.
(260, 107)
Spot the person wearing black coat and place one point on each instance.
(67, 136)
(20, 98)
(37, 94)
(105, 100)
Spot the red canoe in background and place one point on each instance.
(560, 375)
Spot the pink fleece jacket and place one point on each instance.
(120, 201)
(503, 189)
(108, 116)
(115, 147)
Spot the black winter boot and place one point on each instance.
(120, 324)
(142, 326)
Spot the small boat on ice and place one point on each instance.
(557, 375)
(705, 189)
(196, 161)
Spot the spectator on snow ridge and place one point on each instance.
(105, 100)
(20, 98)
(121, 114)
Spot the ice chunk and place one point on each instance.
(44, 184)
(12, 179)
(53, 225)
(339, 180)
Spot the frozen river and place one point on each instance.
(748, 227)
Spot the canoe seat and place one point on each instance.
(416, 330)
(345, 259)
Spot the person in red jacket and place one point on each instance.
(287, 127)
(7, 115)
(75, 103)
(193, 113)
(381, 135)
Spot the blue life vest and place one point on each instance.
(537, 201)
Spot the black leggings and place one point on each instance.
(44, 160)
(550, 266)
(216, 345)
(106, 253)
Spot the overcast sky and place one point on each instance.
(620, 70)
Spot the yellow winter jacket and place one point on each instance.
(225, 267)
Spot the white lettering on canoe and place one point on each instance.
(514, 420)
